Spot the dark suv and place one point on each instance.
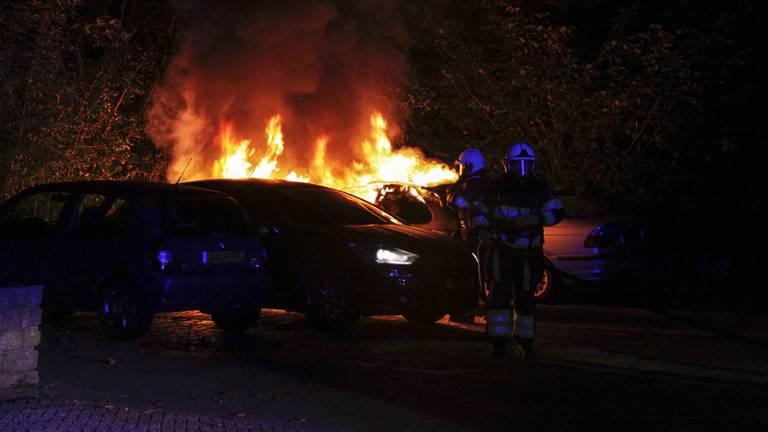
(130, 249)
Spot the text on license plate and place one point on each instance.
(220, 257)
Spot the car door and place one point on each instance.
(291, 251)
(290, 247)
(30, 231)
(296, 248)
(92, 246)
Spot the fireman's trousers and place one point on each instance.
(480, 245)
(515, 275)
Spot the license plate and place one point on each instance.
(222, 257)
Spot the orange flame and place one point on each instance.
(275, 148)
(234, 162)
(380, 163)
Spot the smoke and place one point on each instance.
(324, 66)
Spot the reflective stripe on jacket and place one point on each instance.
(515, 197)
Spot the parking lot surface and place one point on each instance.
(598, 368)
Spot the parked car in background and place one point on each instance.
(128, 250)
(591, 244)
(335, 257)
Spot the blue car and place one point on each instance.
(130, 249)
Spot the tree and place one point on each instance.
(76, 79)
(647, 108)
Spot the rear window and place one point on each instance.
(205, 214)
(103, 214)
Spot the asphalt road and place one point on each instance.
(598, 368)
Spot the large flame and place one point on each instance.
(234, 160)
(378, 164)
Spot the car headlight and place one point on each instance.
(395, 256)
(385, 255)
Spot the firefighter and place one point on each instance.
(522, 205)
(466, 197)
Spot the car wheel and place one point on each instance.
(236, 320)
(55, 316)
(424, 316)
(546, 290)
(123, 311)
(328, 301)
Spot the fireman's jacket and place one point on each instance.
(511, 197)
(466, 197)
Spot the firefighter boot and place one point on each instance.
(524, 349)
(464, 318)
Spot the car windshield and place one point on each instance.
(317, 206)
(406, 202)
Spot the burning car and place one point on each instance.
(335, 256)
(590, 244)
(128, 250)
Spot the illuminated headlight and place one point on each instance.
(395, 256)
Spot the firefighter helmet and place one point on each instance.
(470, 161)
(520, 160)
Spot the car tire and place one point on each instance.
(236, 320)
(424, 316)
(55, 316)
(123, 311)
(329, 304)
(547, 290)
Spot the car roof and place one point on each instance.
(125, 188)
(264, 184)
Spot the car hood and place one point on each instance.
(584, 225)
(397, 236)
(436, 252)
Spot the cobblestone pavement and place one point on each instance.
(598, 368)
(185, 365)
(71, 415)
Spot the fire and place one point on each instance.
(378, 163)
(234, 163)
(275, 147)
